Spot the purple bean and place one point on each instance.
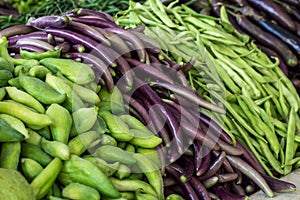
(214, 167)
(227, 177)
(188, 190)
(99, 65)
(126, 80)
(251, 173)
(116, 41)
(8, 12)
(33, 35)
(48, 21)
(16, 48)
(64, 47)
(95, 22)
(278, 185)
(237, 189)
(16, 30)
(138, 107)
(229, 149)
(226, 195)
(89, 31)
(147, 71)
(249, 157)
(189, 94)
(214, 128)
(227, 167)
(37, 43)
(170, 119)
(82, 11)
(90, 44)
(139, 46)
(198, 134)
(206, 159)
(198, 158)
(199, 188)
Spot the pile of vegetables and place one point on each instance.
(13, 12)
(59, 130)
(136, 108)
(274, 25)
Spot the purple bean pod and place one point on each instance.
(226, 195)
(117, 43)
(44, 22)
(199, 188)
(139, 46)
(170, 119)
(89, 31)
(189, 94)
(188, 190)
(95, 22)
(146, 70)
(82, 11)
(16, 48)
(90, 44)
(64, 47)
(16, 30)
(37, 43)
(214, 167)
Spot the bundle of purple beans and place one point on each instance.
(199, 160)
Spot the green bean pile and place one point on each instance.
(262, 103)
(70, 137)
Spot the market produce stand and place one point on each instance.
(158, 101)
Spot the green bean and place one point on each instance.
(251, 147)
(272, 160)
(289, 147)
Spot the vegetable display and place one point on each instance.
(273, 24)
(97, 111)
(229, 70)
(15, 12)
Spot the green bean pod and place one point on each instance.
(107, 168)
(118, 129)
(85, 118)
(36, 153)
(40, 90)
(132, 185)
(140, 195)
(62, 122)
(82, 171)
(24, 98)
(42, 183)
(56, 149)
(30, 168)
(80, 191)
(9, 134)
(73, 101)
(81, 143)
(10, 155)
(115, 154)
(16, 124)
(152, 173)
(75, 71)
(39, 71)
(289, 146)
(39, 56)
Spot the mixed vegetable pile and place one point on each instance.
(157, 102)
